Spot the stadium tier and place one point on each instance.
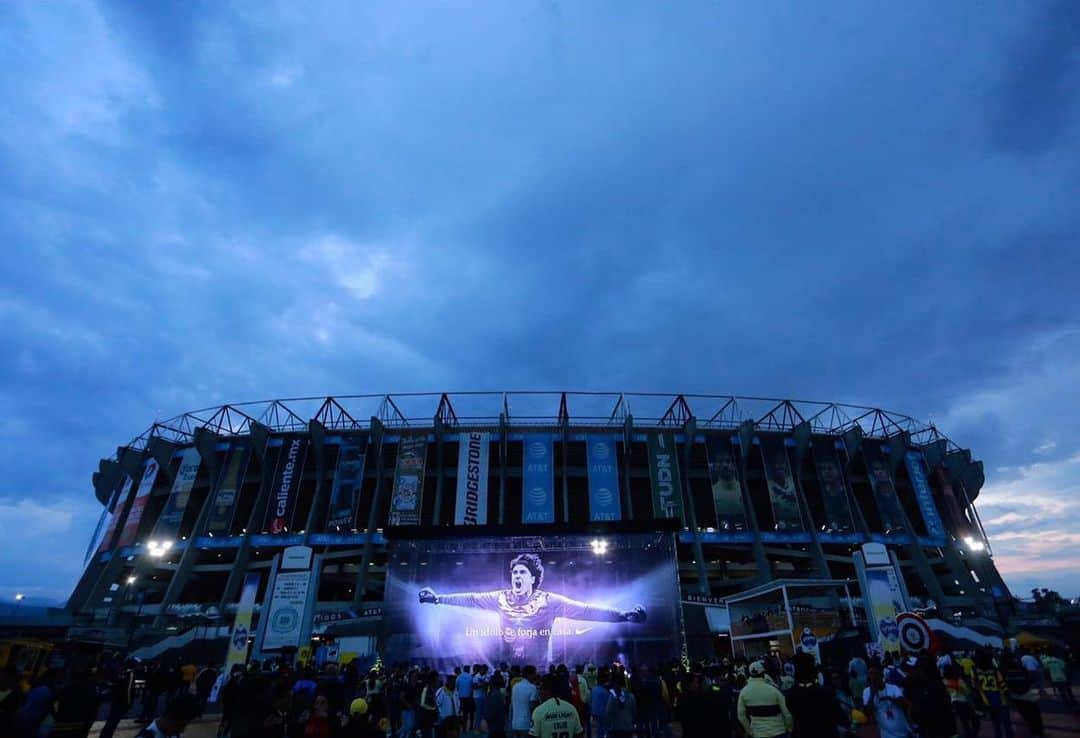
(203, 510)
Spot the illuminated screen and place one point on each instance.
(532, 600)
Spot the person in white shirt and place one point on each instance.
(1035, 671)
(447, 701)
(524, 697)
(886, 702)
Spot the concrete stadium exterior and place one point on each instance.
(765, 490)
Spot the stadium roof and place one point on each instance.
(541, 408)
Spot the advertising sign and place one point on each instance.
(472, 479)
(228, 491)
(116, 511)
(348, 481)
(883, 601)
(603, 468)
(287, 605)
(287, 476)
(138, 505)
(724, 477)
(538, 601)
(834, 492)
(538, 480)
(241, 629)
(785, 502)
(168, 524)
(664, 476)
(925, 497)
(888, 504)
(408, 495)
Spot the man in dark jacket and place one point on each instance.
(814, 708)
(121, 696)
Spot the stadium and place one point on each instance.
(692, 524)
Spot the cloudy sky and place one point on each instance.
(210, 202)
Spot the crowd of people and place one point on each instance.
(925, 696)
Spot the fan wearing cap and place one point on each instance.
(762, 709)
(360, 724)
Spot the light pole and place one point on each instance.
(19, 597)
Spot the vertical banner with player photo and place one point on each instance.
(664, 476)
(348, 482)
(834, 492)
(472, 479)
(916, 467)
(116, 512)
(241, 629)
(538, 480)
(782, 495)
(408, 494)
(172, 517)
(953, 508)
(724, 477)
(227, 494)
(883, 601)
(888, 504)
(603, 469)
(138, 505)
(531, 600)
(286, 484)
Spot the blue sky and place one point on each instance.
(211, 202)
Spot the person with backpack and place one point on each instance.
(1023, 693)
(814, 708)
(931, 706)
(993, 693)
(887, 704)
(620, 710)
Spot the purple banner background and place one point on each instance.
(481, 625)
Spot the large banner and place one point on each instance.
(227, 494)
(532, 601)
(287, 605)
(283, 493)
(664, 476)
(952, 505)
(834, 493)
(138, 505)
(603, 468)
(116, 512)
(724, 477)
(883, 601)
(168, 524)
(888, 504)
(241, 629)
(538, 480)
(348, 481)
(935, 530)
(785, 502)
(408, 495)
(472, 479)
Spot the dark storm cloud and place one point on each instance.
(1040, 89)
(222, 201)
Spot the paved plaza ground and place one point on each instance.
(1059, 724)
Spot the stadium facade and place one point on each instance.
(201, 509)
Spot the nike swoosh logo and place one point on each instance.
(581, 631)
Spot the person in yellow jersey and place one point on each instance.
(554, 718)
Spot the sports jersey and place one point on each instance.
(555, 719)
